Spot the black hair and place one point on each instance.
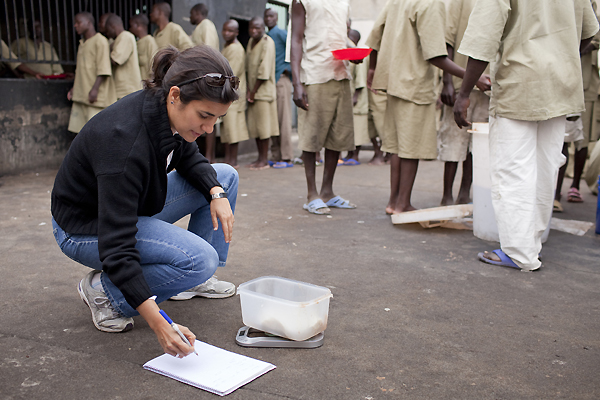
(113, 20)
(88, 16)
(164, 7)
(141, 19)
(171, 67)
(201, 8)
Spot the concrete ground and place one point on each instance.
(414, 314)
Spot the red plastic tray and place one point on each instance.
(355, 53)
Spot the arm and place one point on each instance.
(448, 94)
(252, 93)
(372, 67)
(472, 74)
(166, 335)
(93, 95)
(298, 26)
(26, 70)
(483, 81)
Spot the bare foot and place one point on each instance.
(490, 255)
(252, 165)
(389, 210)
(377, 160)
(462, 199)
(447, 201)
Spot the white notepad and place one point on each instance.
(215, 370)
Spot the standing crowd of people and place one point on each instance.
(139, 157)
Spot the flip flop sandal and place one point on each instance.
(557, 207)
(338, 202)
(317, 206)
(351, 161)
(505, 261)
(282, 164)
(573, 196)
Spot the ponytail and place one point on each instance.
(170, 68)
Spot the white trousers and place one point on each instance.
(524, 158)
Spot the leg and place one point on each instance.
(210, 146)
(331, 158)
(394, 183)
(276, 149)
(233, 155)
(561, 173)
(465, 183)
(310, 170)
(408, 173)
(183, 199)
(450, 168)
(378, 156)
(579, 164)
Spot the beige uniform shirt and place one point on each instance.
(126, 73)
(325, 31)
(6, 53)
(206, 33)
(260, 64)
(589, 68)
(359, 81)
(93, 60)
(26, 49)
(236, 55)
(146, 47)
(406, 34)
(457, 19)
(534, 47)
(174, 35)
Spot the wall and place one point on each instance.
(33, 124)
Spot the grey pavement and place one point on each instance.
(414, 315)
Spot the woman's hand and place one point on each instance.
(220, 210)
(167, 337)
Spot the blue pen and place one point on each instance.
(176, 328)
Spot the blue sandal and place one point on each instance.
(505, 261)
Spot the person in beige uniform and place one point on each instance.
(234, 129)
(530, 98)
(377, 107)
(591, 84)
(36, 49)
(360, 110)
(408, 42)
(168, 33)
(146, 45)
(205, 31)
(16, 67)
(262, 104)
(124, 58)
(454, 143)
(322, 93)
(93, 88)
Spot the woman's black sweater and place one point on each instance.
(115, 171)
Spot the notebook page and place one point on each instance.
(215, 370)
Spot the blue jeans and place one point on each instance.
(172, 259)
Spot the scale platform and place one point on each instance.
(249, 337)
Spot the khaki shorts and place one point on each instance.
(80, 115)
(262, 119)
(590, 122)
(329, 121)
(453, 142)
(361, 129)
(409, 129)
(234, 129)
(377, 107)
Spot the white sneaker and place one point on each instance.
(212, 289)
(104, 315)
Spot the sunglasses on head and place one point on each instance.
(215, 80)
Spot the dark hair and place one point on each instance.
(170, 68)
(141, 19)
(88, 16)
(201, 8)
(164, 7)
(113, 20)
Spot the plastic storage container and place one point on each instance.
(285, 307)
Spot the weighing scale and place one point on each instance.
(250, 337)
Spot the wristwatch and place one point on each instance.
(220, 195)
